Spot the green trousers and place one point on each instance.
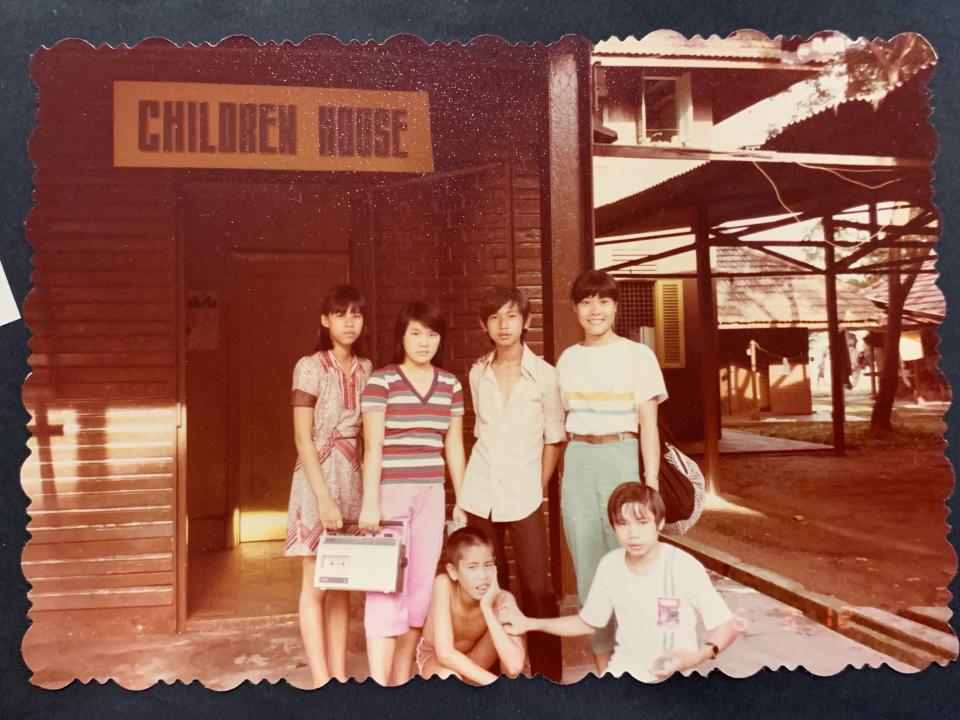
(590, 473)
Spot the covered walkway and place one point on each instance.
(738, 442)
(846, 173)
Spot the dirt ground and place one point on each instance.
(868, 527)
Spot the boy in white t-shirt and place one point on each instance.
(611, 388)
(654, 590)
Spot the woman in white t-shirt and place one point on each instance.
(611, 388)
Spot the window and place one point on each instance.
(659, 116)
(651, 312)
(635, 310)
(668, 304)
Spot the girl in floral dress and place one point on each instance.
(326, 481)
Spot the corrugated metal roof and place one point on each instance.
(746, 44)
(924, 298)
(783, 301)
(754, 126)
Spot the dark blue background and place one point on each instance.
(26, 26)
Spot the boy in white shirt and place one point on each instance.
(654, 590)
(611, 388)
(519, 428)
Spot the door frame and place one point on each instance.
(235, 259)
(181, 530)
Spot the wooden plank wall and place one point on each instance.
(448, 241)
(101, 476)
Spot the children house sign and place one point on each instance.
(269, 127)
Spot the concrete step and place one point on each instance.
(231, 623)
(936, 617)
(904, 651)
(874, 628)
(919, 635)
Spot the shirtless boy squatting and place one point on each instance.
(462, 636)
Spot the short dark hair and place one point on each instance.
(500, 296)
(594, 282)
(428, 316)
(460, 540)
(634, 493)
(341, 299)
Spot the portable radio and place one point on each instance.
(347, 560)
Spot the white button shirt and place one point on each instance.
(502, 479)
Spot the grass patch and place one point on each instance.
(909, 432)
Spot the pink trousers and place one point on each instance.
(423, 507)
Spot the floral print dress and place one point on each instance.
(319, 381)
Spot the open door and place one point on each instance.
(274, 314)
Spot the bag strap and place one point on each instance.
(681, 458)
(670, 588)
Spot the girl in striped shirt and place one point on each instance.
(412, 417)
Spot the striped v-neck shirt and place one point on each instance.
(414, 425)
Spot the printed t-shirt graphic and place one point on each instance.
(602, 385)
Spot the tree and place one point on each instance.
(870, 71)
(899, 287)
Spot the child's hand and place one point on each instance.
(370, 517)
(459, 516)
(330, 516)
(678, 661)
(513, 621)
(493, 589)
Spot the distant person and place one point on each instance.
(611, 388)
(655, 591)
(463, 637)
(822, 369)
(326, 481)
(519, 431)
(848, 361)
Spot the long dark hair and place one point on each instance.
(341, 299)
(428, 316)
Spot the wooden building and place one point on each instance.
(777, 314)
(924, 308)
(192, 206)
(774, 147)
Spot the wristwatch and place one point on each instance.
(714, 649)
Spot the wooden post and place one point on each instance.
(731, 386)
(709, 343)
(837, 345)
(754, 385)
(566, 202)
(874, 223)
(915, 377)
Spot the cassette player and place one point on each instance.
(349, 560)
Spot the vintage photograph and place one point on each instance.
(484, 360)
